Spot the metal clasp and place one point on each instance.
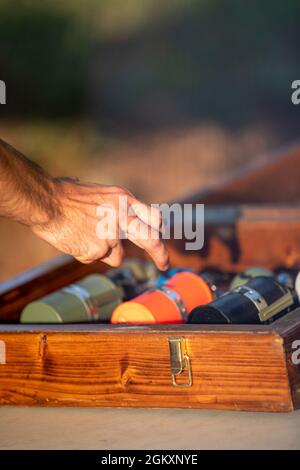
(179, 362)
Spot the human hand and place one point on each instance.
(74, 229)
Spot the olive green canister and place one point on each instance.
(92, 299)
(250, 273)
(143, 271)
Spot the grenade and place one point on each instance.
(245, 276)
(260, 300)
(166, 275)
(134, 277)
(142, 270)
(217, 281)
(285, 278)
(169, 303)
(92, 299)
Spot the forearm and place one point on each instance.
(63, 212)
(27, 193)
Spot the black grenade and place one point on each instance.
(261, 300)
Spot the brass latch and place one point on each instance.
(179, 362)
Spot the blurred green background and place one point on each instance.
(161, 97)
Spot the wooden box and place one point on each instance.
(252, 218)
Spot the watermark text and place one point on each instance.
(2, 92)
(158, 221)
(296, 93)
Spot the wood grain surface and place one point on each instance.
(252, 236)
(230, 370)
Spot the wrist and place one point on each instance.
(28, 193)
(45, 207)
(60, 192)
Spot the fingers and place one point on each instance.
(142, 226)
(84, 260)
(140, 234)
(115, 256)
(92, 251)
(144, 231)
(149, 215)
(112, 255)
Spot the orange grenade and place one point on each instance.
(170, 303)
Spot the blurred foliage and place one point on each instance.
(44, 53)
(45, 49)
(151, 63)
(229, 61)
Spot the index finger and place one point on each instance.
(148, 214)
(148, 239)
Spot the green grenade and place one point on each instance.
(242, 278)
(92, 299)
(143, 271)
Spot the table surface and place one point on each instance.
(98, 428)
